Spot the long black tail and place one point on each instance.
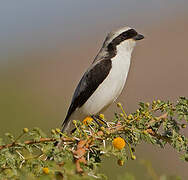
(65, 124)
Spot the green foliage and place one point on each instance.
(33, 155)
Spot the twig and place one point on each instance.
(42, 140)
(162, 117)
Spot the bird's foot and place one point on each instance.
(99, 120)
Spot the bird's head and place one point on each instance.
(123, 38)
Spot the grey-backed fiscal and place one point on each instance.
(105, 78)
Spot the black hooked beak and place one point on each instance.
(138, 37)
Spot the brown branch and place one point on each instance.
(158, 136)
(79, 153)
(41, 140)
(119, 127)
(110, 130)
(164, 138)
(84, 145)
(162, 117)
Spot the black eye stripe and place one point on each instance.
(123, 36)
(129, 34)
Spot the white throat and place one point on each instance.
(126, 47)
(121, 61)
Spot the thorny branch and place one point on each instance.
(86, 145)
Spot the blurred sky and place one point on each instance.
(45, 46)
(44, 24)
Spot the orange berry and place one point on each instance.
(87, 120)
(45, 170)
(119, 143)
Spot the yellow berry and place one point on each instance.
(102, 128)
(119, 143)
(133, 157)
(179, 139)
(101, 116)
(45, 170)
(130, 116)
(74, 122)
(87, 120)
(145, 132)
(154, 102)
(53, 131)
(25, 130)
(57, 130)
(183, 126)
(147, 104)
(147, 114)
(120, 162)
(158, 101)
(119, 105)
(121, 114)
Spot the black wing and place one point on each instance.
(87, 85)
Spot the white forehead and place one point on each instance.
(114, 34)
(119, 31)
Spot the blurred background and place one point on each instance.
(45, 46)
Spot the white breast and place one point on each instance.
(112, 86)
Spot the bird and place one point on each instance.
(105, 78)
